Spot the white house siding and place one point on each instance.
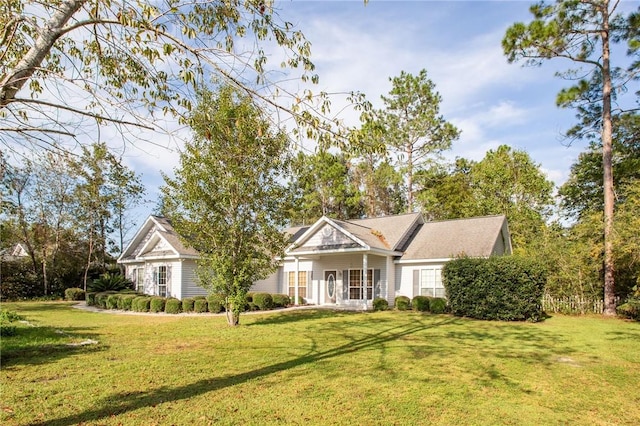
(405, 277)
(268, 285)
(190, 287)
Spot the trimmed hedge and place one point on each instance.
(264, 301)
(498, 288)
(112, 301)
(173, 306)
(187, 304)
(437, 305)
(215, 302)
(420, 303)
(141, 304)
(200, 306)
(91, 298)
(380, 304)
(157, 304)
(101, 298)
(74, 293)
(403, 303)
(126, 301)
(281, 300)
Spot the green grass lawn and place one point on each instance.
(317, 367)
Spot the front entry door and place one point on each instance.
(330, 286)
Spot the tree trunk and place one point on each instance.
(233, 317)
(13, 81)
(609, 287)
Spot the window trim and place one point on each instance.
(430, 289)
(291, 283)
(139, 279)
(161, 280)
(357, 288)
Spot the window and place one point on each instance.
(355, 284)
(431, 282)
(302, 284)
(140, 280)
(160, 280)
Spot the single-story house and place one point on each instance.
(332, 262)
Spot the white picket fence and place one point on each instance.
(572, 305)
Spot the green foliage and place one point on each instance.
(264, 301)
(235, 156)
(413, 128)
(126, 65)
(301, 301)
(110, 282)
(187, 304)
(173, 306)
(322, 185)
(215, 303)
(74, 293)
(630, 309)
(157, 304)
(101, 298)
(420, 303)
(281, 300)
(141, 304)
(380, 304)
(7, 329)
(437, 305)
(403, 303)
(126, 302)
(201, 306)
(91, 298)
(112, 301)
(497, 288)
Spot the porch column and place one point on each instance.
(295, 280)
(391, 281)
(365, 267)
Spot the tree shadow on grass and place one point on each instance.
(41, 345)
(301, 315)
(128, 401)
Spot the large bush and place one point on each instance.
(91, 298)
(264, 301)
(403, 303)
(281, 300)
(420, 303)
(74, 293)
(141, 304)
(498, 288)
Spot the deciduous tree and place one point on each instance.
(228, 196)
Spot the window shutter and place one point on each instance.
(416, 283)
(377, 287)
(309, 284)
(345, 285)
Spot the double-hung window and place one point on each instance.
(355, 284)
(302, 284)
(431, 282)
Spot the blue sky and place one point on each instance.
(357, 48)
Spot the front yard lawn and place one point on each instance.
(68, 367)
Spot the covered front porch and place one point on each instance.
(339, 279)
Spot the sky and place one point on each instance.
(358, 47)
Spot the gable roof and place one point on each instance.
(475, 237)
(409, 237)
(156, 229)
